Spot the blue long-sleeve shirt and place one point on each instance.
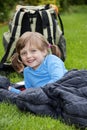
(50, 70)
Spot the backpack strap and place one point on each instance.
(16, 21)
(47, 24)
(61, 24)
(47, 6)
(50, 25)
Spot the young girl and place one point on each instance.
(41, 66)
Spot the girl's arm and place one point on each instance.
(56, 68)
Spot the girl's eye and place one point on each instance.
(23, 53)
(33, 51)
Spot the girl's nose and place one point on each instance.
(29, 54)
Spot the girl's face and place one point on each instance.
(31, 56)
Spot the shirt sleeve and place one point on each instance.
(56, 68)
(14, 90)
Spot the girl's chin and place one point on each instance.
(32, 66)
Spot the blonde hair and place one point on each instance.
(34, 39)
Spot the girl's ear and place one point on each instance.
(56, 51)
(17, 63)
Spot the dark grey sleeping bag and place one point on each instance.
(66, 98)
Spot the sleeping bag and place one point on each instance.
(65, 99)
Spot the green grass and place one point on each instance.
(75, 25)
(13, 119)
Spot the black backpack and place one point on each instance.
(42, 19)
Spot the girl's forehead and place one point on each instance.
(30, 45)
(34, 42)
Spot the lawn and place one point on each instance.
(75, 26)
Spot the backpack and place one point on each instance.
(42, 19)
